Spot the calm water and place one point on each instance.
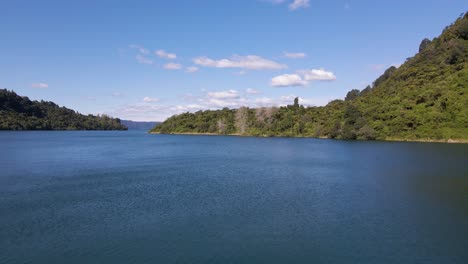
(130, 197)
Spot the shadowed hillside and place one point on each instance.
(20, 113)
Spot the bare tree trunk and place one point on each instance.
(242, 115)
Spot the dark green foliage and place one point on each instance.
(353, 94)
(462, 28)
(425, 98)
(424, 44)
(387, 74)
(20, 113)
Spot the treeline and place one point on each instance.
(425, 98)
(20, 113)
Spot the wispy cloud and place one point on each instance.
(296, 4)
(173, 66)
(252, 91)
(143, 60)
(40, 85)
(224, 94)
(293, 5)
(294, 55)
(140, 49)
(191, 69)
(165, 55)
(302, 78)
(249, 62)
(148, 99)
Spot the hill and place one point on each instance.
(139, 125)
(20, 113)
(426, 98)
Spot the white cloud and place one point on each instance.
(249, 62)
(223, 94)
(275, 1)
(143, 60)
(294, 55)
(317, 75)
(172, 66)
(296, 4)
(150, 99)
(116, 94)
(302, 78)
(39, 85)
(140, 49)
(191, 69)
(288, 80)
(252, 91)
(165, 55)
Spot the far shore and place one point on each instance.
(449, 141)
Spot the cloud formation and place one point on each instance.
(252, 91)
(294, 55)
(223, 94)
(302, 78)
(143, 60)
(191, 69)
(40, 85)
(172, 66)
(288, 80)
(150, 99)
(165, 55)
(140, 49)
(296, 4)
(317, 75)
(249, 62)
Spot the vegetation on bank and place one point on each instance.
(425, 98)
(20, 113)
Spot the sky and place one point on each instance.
(148, 60)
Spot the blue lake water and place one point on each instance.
(131, 197)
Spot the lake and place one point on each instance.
(131, 197)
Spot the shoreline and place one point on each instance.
(447, 141)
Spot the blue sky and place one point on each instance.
(147, 60)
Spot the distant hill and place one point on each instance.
(426, 98)
(139, 125)
(20, 113)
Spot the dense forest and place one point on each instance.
(424, 98)
(20, 113)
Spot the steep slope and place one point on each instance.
(20, 113)
(426, 98)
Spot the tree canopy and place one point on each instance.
(20, 113)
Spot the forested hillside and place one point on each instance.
(20, 113)
(425, 98)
